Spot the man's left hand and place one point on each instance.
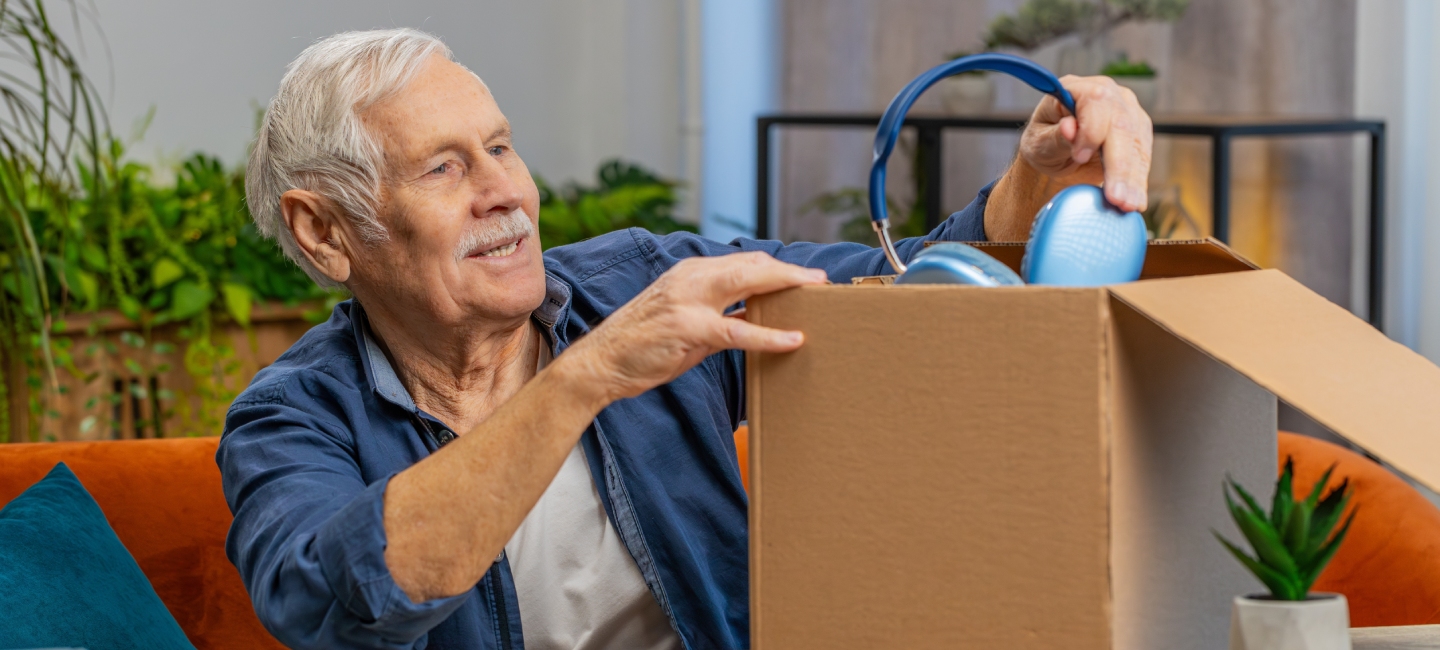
(1109, 142)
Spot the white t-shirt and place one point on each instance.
(577, 584)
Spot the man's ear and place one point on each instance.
(315, 223)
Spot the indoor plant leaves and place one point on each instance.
(1296, 540)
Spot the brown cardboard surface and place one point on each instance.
(946, 466)
(1313, 354)
(1180, 422)
(916, 483)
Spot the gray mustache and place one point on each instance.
(493, 230)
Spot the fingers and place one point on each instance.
(1127, 158)
(1112, 124)
(1127, 172)
(733, 278)
(741, 335)
(1047, 146)
(1109, 139)
(1097, 103)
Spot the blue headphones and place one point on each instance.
(1077, 239)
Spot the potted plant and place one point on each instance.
(1292, 545)
(1138, 76)
(968, 93)
(1079, 28)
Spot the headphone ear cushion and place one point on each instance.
(956, 263)
(1079, 240)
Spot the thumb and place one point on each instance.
(741, 335)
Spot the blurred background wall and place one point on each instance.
(675, 85)
(1292, 205)
(580, 80)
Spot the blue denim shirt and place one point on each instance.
(310, 445)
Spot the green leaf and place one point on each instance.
(1297, 532)
(1263, 539)
(1284, 500)
(1281, 586)
(89, 288)
(239, 300)
(189, 299)
(1323, 557)
(1249, 500)
(94, 256)
(130, 307)
(1327, 514)
(1319, 487)
(166, 271)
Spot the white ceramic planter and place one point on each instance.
(1082, 58)
(1146, 90)
(1321, 623)
(968, 94)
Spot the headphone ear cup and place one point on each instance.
(956, 263)
(1079, 240)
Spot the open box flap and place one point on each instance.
(1310, 352)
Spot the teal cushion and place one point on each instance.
(66, 580)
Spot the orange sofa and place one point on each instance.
(164, 501)
(1389, 565)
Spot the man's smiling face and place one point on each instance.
(460, 206)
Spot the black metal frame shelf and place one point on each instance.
(1220, 130)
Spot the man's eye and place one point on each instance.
(497, 150)
(444, 167)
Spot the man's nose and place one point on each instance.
(496, 190)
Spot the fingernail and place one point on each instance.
(794, 338)
(819, 274)
(1119, 193)
(1083, 156)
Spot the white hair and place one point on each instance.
(312, 138)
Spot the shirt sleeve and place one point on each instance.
(842, 261)
(309, 535)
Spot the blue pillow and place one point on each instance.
(66, 580)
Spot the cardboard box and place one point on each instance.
(1041, 467)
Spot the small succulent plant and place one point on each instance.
(1294, 542)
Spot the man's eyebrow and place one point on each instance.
(448, 145)
(456, 145)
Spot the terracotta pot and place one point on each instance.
(968, 94)
(1320, 623)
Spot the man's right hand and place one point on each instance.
(678, 321)
(448, 516)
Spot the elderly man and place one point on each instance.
(488, 444)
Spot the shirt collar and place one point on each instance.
(382, 375)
